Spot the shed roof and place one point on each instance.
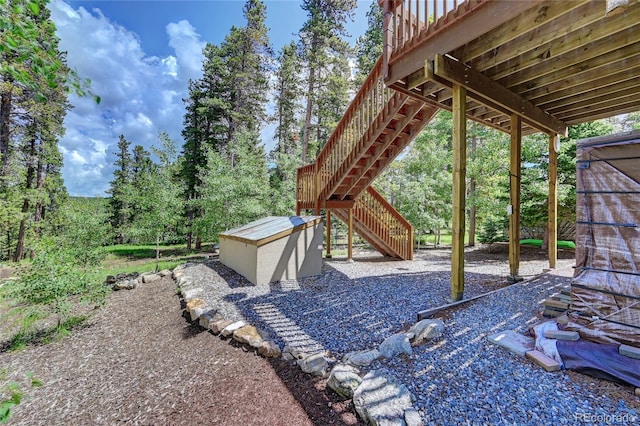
(621, 151)
(270, 228)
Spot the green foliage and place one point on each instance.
(493, 230)
(234, 188)
(324, 53)
(11, 393)
(83, 224)
(57, 278)
(158, 202)
(419, 184)
(369, 45)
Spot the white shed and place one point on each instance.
(274, 248)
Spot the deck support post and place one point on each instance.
(515, 172)
(554, 145)
(328, 255)
(458, 200)
(350, 237)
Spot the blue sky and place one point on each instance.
(139, 56)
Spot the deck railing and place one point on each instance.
(306, 193)
(385, 222)
(349, 137)
(406, 20)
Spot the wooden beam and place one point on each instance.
(478, 83)
(338, 204)
(565, 70)
(603, 36)
(528, 50)
(418, 78)
(533, 20)
(458, 201)
(515, 172)
(448, 36)
(554, 145)
(328, 255)
(606, 114)
(623, 88)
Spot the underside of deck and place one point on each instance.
(555, 63)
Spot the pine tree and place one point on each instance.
(320, 40)
(121, 191)
(32, 71)
(231, 97)
(286, 154)
(287, 98)
(369, 45)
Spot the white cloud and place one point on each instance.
(184, 39)
(141, 95)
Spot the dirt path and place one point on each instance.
(139, 361)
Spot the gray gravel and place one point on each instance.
(458, 379)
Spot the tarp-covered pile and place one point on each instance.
(605, 291)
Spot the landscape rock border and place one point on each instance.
(343, 378)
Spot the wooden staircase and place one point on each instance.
(378, 124)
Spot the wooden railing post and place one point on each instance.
(458, 205)
(328, 256)
(514, 189)
(350, 236)
(554, 145)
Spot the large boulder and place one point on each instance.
(344, 380)
(361, 358)
(316, 365)
(380, 399)
(249, 335)
(426, 330)
(395, 345)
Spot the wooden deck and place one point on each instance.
(554, 63)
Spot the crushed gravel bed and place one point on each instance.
(353, 305)
(458, 379)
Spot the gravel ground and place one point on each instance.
(458, 379)
(354, 305)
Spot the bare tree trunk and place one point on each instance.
(5, 117)
(38, 214)
(31, 171)
(17, 256)
(157, 252)
(307, 116)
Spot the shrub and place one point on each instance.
(492, 231)
(57, 278)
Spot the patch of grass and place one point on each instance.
(45, 336)
(429, 240)
(127, 268)
(148, 251)
(127, 258)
